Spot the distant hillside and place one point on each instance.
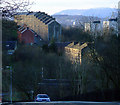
(69, 20)
(96, 12)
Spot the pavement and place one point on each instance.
(65, 103)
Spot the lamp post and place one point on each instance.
(10, 67)
(42, 73)
(32, 92)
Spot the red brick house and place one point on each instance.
(28, 36)
(25, 35)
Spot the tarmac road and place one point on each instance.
(66, 103)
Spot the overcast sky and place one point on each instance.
(53, 6)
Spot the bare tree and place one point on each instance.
(11, 7)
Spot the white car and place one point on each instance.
(42, 97)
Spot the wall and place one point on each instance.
(73, 52)
(35, 24)
(54, 30)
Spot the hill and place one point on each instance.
(96, 12)
(70, 20)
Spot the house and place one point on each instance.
(87, 27)
(95, 28)
(10, 46)
(28, 36)
(25, 35)
(44, 25)
(110, 26)
(74, 51)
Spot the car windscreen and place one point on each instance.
(42, 96)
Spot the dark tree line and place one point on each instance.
(108, 58)
(75, 34)
(9, 30)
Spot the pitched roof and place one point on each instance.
(22, 13)
(96, 21)
(77, 45)
(45, 18)
(113, 19)
(42, 16)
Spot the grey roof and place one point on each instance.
(31, 13)
(42, 16)
(113, 19)
(45, 18)
(22, 13)
(37, 14)
(26, 13)
(50, 20)
(96, 21)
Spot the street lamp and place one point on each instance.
(42, 73)
(10, 67)
(32, 92)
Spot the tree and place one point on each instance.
(75, 34)
(28, 63)
(108, 51)
(11, 7)
(9, 30)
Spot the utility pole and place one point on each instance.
(42, 72)
(11, 84)
(10, 67)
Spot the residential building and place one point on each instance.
(25, 35)
(105, 27)
(87, 27)
(94, 28)
(110, 26)
(74, 51)
(28, 36)
(44, 25)
(97, 28)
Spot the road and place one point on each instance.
(66, 103)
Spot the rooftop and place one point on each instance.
(113, 19)
(77, 45)
(96, 21)
(42, 16)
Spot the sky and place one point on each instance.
(53, 6)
